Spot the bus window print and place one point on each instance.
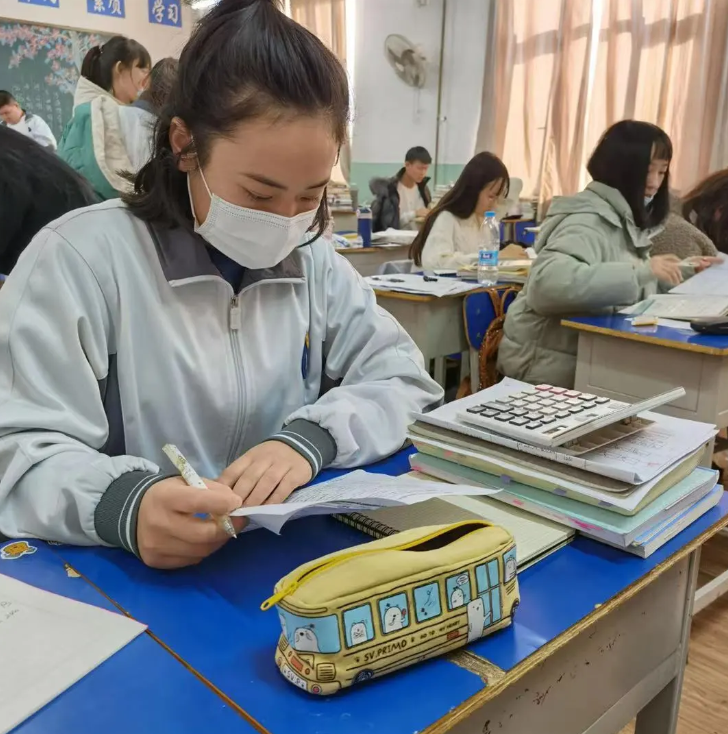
(310, 634)
(457, 589)
(427, 602)
(358, 625)
(487, 581)
(510, 565)
(394, 613)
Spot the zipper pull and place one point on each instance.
(235, 315)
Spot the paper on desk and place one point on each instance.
(635, 459)
(47, 643)
(353, 492)
(395, 236)
(416, 284)
(681, 307)
(713, 281)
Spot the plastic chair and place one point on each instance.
(483, 314)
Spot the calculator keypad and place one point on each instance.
(545, 410)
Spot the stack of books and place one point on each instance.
(635, 493)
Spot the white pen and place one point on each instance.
(193, 479)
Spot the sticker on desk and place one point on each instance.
(18, 549)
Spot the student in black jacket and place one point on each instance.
(36, 187)
(401, 200)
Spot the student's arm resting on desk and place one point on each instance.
(569, 275)
(379, 374)
(55, 482)
(439, 250)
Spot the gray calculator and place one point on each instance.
(553, 416)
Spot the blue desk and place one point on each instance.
(572, 603)
(142, 689)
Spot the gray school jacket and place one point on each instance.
(116, 339)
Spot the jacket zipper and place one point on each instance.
(329, 563)
(235, 323)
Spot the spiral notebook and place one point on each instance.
(535, 537)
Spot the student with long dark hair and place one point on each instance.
(706, 207)
(593, 253)
(206, 310)
(113, 74)
(450, 235)
(35, 188)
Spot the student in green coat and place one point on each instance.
(594, 254)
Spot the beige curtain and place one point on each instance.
(665, 61)
(327, 20)
(535, 91)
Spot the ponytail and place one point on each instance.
(99, 63)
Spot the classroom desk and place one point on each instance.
(623, 362)
(142, 689)
(601, 636)
(435, 324)
(368, 260)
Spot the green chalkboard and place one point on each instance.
(40, 66)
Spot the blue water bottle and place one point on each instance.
(364, 224)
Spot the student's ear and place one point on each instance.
(180, 140)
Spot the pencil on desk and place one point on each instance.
(193, 479)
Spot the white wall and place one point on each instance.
(160, 41)
(391, 117)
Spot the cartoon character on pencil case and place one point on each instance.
(457, 598)
(18, 549)
(394, 619)
(305, 640)
(358, 633)
(477, 619)
(511, 568)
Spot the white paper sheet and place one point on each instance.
(635, 459)
(683, 307)
(354, 492)
(713, 281)
(47, 643)
(410, 283)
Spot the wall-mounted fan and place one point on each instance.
(408, 62)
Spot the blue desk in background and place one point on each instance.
(601, 636)
(140, 690)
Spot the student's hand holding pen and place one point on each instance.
(267, 474)
(170, 533)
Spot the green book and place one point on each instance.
(595, 522)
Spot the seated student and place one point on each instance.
(137, 119)
(706, 207)
(203, 310)
(679, 237)
(451, 233)
(111, 75)
(26, 123)
(399, 201)
(593, 254)
(36, 187)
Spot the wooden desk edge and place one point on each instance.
(645, 338)
(462, 712)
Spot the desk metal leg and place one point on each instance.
(660, 715)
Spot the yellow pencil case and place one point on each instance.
(366, 611)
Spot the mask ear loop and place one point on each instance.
(204, 181)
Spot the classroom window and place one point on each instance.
(394, 613)
(457, 589)
(358, 625)
(311, 634)
(427, 602)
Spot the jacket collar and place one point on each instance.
(398, 177)
(183, 255)
(86, 91)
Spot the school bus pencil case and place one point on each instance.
(366, 611)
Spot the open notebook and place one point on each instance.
(535, 537)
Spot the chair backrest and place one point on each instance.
(396, 267)
(484, 315)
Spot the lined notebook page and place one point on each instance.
(534, 536)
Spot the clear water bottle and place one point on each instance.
(488, 251)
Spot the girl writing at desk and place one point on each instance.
(593, 254)
(205, 310)
(450, 235)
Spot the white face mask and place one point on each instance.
(648, 200)
(254, 239)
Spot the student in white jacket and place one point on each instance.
(449, 236)
(205, 310)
